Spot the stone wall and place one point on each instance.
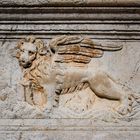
(82, 114)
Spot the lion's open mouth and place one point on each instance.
(26, 65)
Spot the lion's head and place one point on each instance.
(29, 49)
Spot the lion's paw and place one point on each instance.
(126, 106)
(123, 109)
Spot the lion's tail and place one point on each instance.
(76, 88)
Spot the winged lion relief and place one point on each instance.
(61, 68)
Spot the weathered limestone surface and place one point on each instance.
(34, 106)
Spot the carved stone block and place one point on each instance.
(69, 72)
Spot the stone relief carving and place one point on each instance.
(61, 69)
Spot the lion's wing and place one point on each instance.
(77, 49)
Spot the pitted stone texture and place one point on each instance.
(12, 94)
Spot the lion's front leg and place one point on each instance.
(28, 93)
(104, 86)
(50, 94)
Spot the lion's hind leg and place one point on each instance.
(105, 87)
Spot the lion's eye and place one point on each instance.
(30, 52)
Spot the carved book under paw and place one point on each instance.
(62, 69)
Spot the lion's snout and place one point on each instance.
(25, 61)
(25, 64)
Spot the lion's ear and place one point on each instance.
(42, 51)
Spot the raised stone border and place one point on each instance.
(70, 2)
(65, 125)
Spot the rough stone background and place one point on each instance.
(107, 22)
